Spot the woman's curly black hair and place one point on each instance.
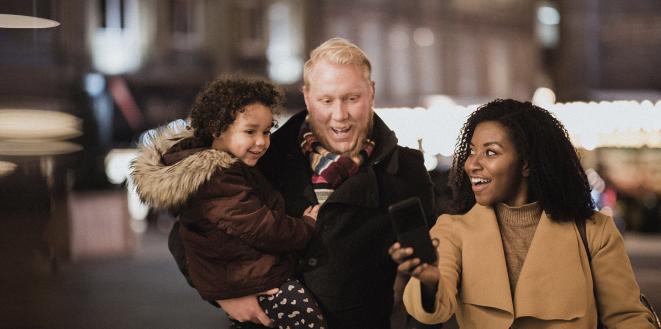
(556, 179)
(216, 106)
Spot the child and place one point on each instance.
(238, 241)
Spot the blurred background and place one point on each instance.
(79, 250)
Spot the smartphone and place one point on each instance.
(410, 225)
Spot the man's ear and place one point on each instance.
(525, 171)
(304, 90)
(373, 85)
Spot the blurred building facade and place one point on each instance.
(468, 49)
(608, 50)
(124, 66)
(166, 50)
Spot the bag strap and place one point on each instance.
(655, 317)
(580, 224)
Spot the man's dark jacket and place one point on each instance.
(346, 264)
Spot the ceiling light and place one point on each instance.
(25, 22)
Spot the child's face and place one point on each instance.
(248, 137)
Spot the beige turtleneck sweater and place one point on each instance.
(517, 228)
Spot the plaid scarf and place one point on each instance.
(329, 169)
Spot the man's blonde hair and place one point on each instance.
(338, 51)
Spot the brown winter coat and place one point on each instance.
(237, 238)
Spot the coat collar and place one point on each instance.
(165, 179)
(361, 189)
(552, 283)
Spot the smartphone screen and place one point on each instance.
(410, 225)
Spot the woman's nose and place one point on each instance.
(473, 163)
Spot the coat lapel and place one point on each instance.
(552, 283)
(484, 278)
(542, 291)
(361, 189)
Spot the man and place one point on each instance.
(340, 154)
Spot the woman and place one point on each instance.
(514, 258)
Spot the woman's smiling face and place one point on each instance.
(494, 168)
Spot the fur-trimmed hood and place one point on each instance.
(169, 185)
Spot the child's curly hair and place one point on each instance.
(216, 106)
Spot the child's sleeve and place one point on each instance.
(236, 208)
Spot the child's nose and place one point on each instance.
(261, 140)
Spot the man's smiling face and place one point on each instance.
(339, 99)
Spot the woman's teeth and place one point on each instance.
(478, 181)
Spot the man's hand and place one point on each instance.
(247, 308)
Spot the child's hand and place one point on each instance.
(312, 211)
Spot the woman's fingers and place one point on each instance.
(395, 246)
(402, 255)
(418, 270)
(408, 266)
(399, 254)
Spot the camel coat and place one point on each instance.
(554, 289)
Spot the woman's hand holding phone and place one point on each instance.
(410, 226)
(428, 274)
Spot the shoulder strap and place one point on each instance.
(580, 224)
